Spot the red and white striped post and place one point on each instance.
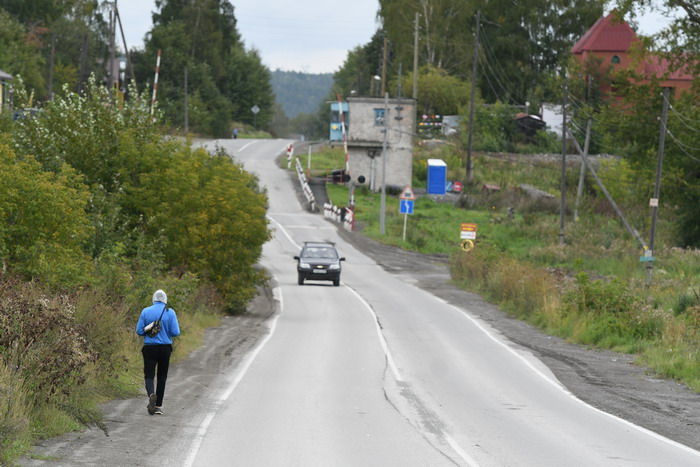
(155, 87)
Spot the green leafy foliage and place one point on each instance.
(19, 55)
(440, 93)
(44, 224)
(211, 215)
(224, 81)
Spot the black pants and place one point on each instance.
(156, 356)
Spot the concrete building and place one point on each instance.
(4, 81)
(365, 123)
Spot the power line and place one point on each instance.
(496, 71)
(683, 120)
(681, 145)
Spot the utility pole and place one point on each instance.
(51, 66)
(187, 121)
(654, 202)
(415, 58)
(612, 202)
(582, 174)
(83, 64)
(399, 90)
(129, 64)
(384, 59)
(470, 135)
(112, 33)
(562, 205)
(382, 207)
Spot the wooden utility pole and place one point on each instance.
(384, 60)
(562, 204)
(399, 87)
(470, 135)
(187, 121)
(654, 202)
(112, 34)
(51, 66)
(129, 64)
(610, 199)
(83, 64)
(415, 58)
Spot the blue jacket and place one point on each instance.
(169, 326)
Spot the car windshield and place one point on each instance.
(319, 252)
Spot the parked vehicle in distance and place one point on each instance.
(319, 261)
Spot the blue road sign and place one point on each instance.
(406, 206)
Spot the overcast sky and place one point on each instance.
(312, 36)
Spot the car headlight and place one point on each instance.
(305, 265)
(334, 266)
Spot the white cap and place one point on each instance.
(160, 296)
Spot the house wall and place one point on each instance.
(626, 63)
(365, 136)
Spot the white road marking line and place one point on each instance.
(389, 358)
(309, 227)
(563, 389)
(204, 426)
(247, 144)
(460, 452)
(284, 231)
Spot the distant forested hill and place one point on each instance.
(300, 92)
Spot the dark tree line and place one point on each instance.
(57, 43)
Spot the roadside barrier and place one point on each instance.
(340, 215)
(306, 188)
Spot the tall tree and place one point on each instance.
(19, 55)
(520, 41)
(199, 37)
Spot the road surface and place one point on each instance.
(376, 372)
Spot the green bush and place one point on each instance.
(614, 315)
(43, 224)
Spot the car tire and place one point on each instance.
(300, 280)
(336, 282)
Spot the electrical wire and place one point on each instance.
(497, 73)
(683, 119)
(682, 146)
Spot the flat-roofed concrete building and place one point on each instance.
(365, 122)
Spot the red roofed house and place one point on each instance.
(611, 41)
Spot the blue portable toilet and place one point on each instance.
(437, 177)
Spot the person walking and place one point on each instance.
(157, 347)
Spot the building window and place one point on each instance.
(378, 117)
(615, 59)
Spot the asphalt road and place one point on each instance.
(394, 367)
